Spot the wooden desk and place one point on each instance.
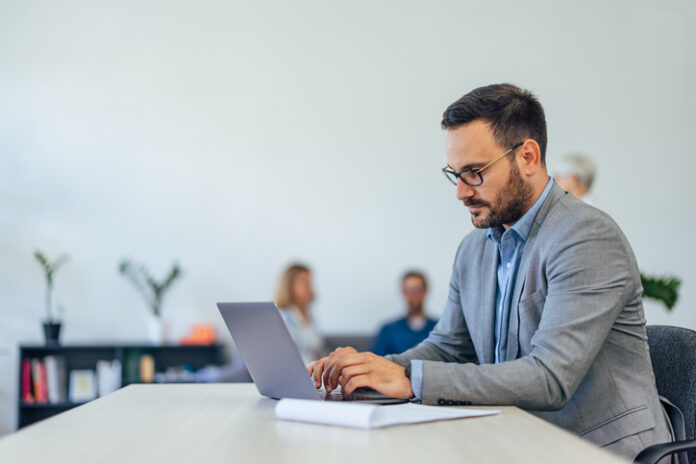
(232, 423)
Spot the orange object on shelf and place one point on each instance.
(201, 334)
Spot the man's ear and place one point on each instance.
(530, 156)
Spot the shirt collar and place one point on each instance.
(524, 224)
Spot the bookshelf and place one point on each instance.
(79, 357)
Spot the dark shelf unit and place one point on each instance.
(86, 357)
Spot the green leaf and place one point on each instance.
(664, 289)
(149, 288)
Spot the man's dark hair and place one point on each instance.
(414, 273)
(512, 113)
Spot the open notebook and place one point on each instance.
(368, 416)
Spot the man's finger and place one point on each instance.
(352, 371)
(328, 366)
(330, 363)
(318, 368)
(325, 369)
(341, 363)
(358, 381)
(331, 373)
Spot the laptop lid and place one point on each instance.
(270, 354)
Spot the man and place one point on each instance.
(544, 309)
(408, 331)
(576, 175)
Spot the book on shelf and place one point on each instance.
(44, 381)
(62, 379)
(131, 365)
(51, 378)
(56, 379)
(108, 376)
(147, 368)
(38, 375)
(27, 395)
(83, 385)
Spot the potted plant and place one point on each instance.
(153, 292)
(664, 289)
(51, 324)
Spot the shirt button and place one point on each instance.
(509, 265)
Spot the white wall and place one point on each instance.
(236, 136)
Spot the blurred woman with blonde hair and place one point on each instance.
(293, 297)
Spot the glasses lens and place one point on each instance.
(450, 176)
(471, 178)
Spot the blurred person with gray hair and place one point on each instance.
(576, 175)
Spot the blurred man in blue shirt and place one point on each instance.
(406, 332)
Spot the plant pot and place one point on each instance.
(155, 329)
(52, 332)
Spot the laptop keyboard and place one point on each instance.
(335, 395)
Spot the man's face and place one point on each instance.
(504, 196)
(414, 292)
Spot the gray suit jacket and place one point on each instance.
(577, 346)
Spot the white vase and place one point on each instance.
(155, 329)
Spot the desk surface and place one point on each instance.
(229, 423)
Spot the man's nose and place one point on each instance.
(464, 191)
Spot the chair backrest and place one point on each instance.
(673, 354)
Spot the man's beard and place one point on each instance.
(510, 204)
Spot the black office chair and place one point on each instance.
(673, 354)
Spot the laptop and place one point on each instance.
(272, 358)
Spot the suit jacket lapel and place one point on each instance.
(513, 343)
(484, 312)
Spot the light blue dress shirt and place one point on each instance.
(510, 248)
(511, 244)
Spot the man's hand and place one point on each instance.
(353, 370)
(316, 368)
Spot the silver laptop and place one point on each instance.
(272, 358)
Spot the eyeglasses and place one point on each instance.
(473, 177)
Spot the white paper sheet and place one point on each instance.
(367, 416)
